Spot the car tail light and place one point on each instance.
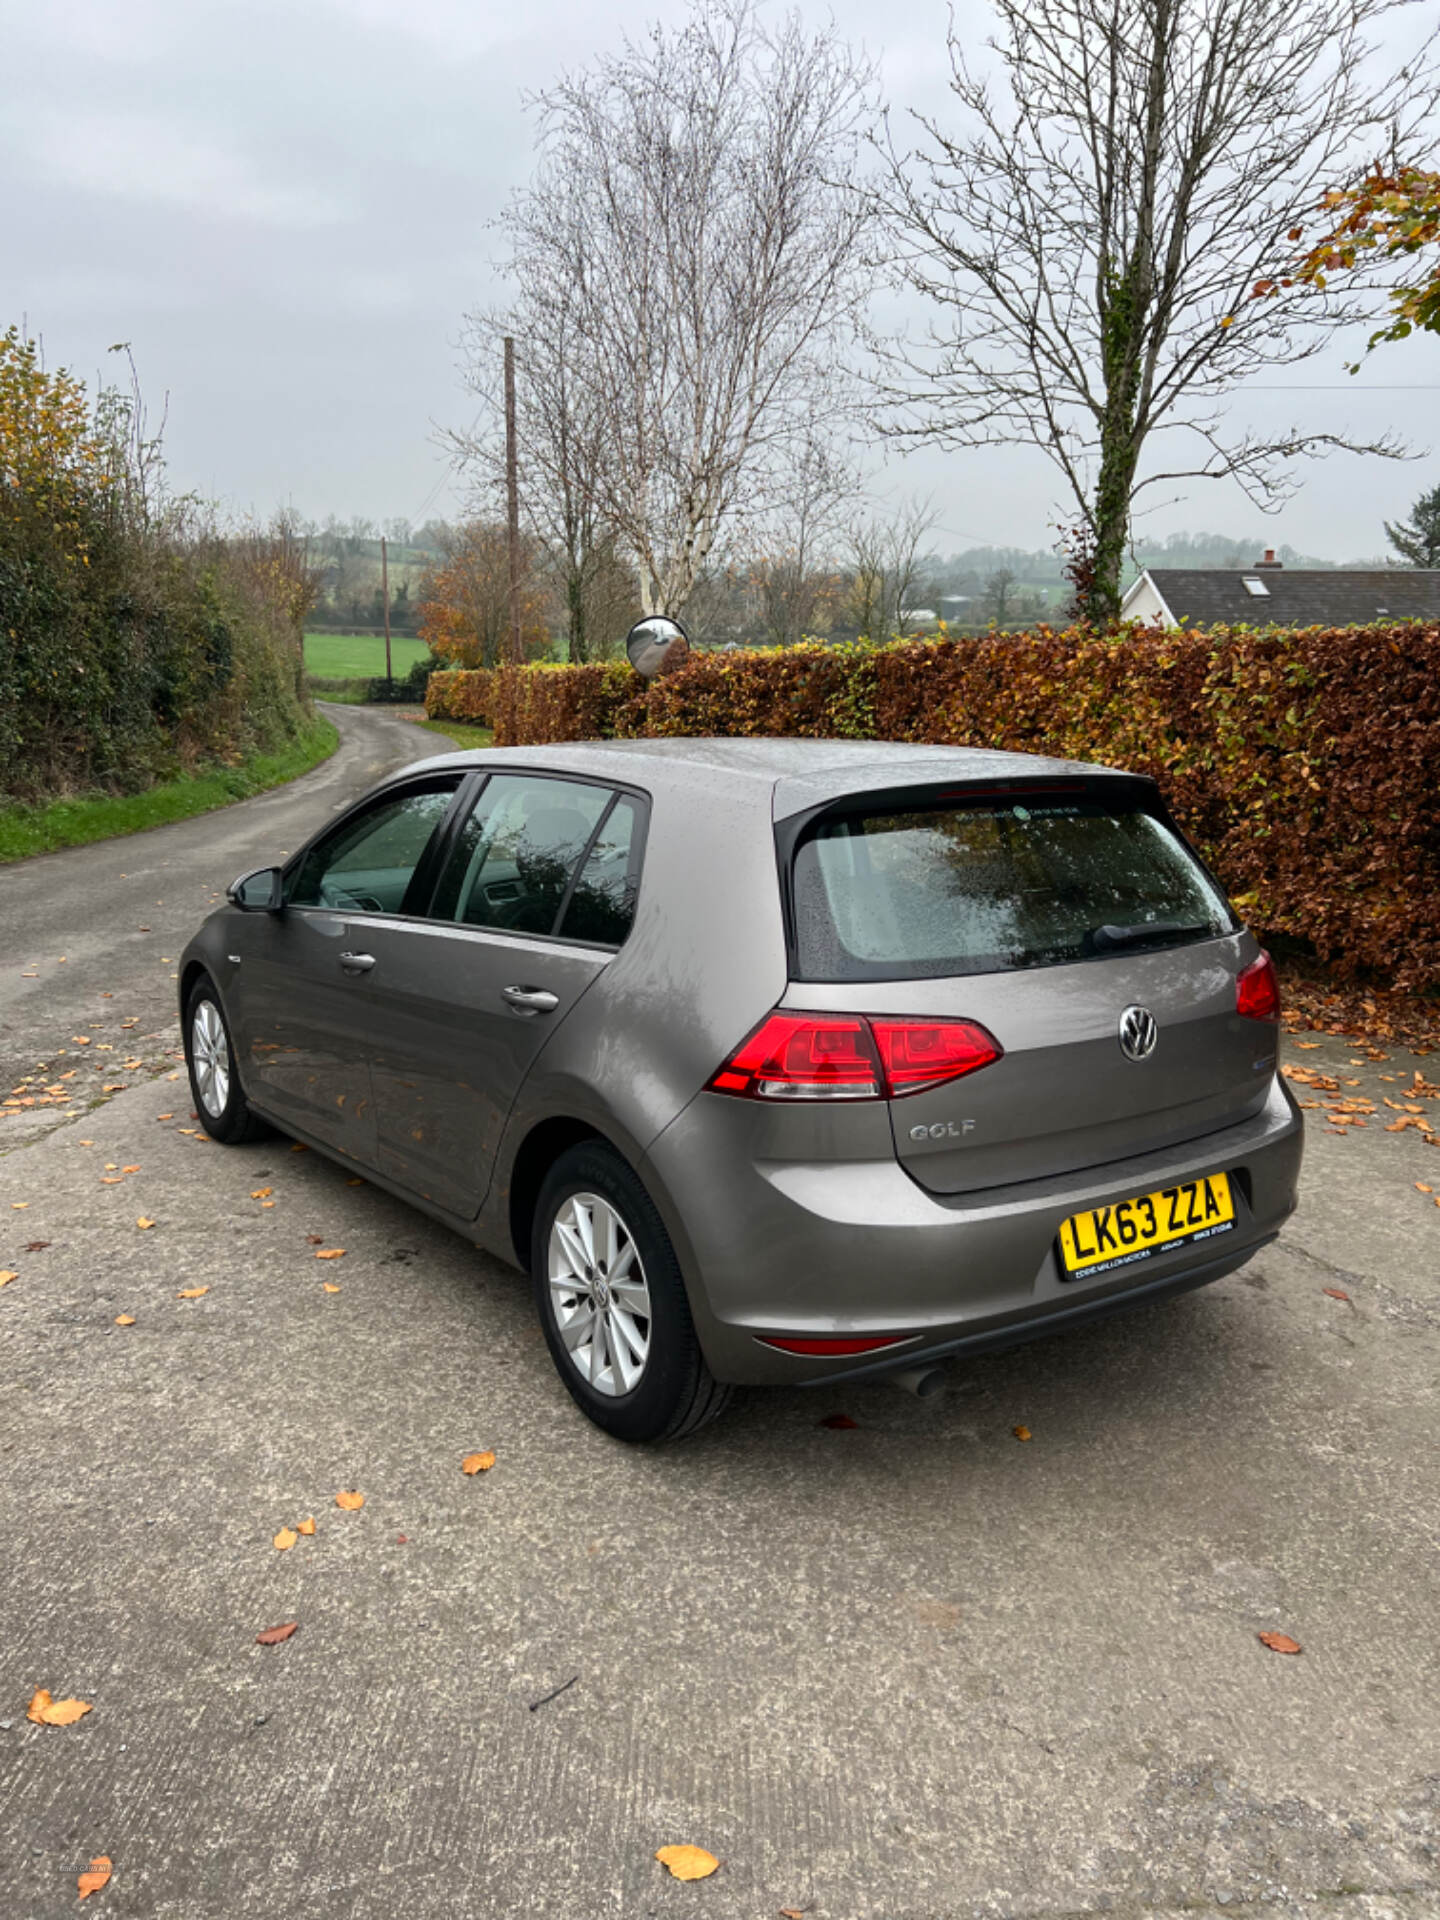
(1257, 991)
(921, 1053)
(824, 1056)
(804, 1056)
(870, 1344)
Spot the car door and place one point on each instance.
(299, 1007)
(535, 893)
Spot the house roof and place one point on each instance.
(1296, 597)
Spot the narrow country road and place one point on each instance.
(90, 936)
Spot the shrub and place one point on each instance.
(135, 642)
(460, 695)
(1305, 765)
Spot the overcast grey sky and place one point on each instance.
(284, 208)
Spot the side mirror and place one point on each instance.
(258, 892)
(657, 645)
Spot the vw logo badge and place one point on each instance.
(1138, 1033)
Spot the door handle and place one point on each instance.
(357, 962)
(530, 1000)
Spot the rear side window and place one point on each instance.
(547, 856)
(603, 904)
(989, 886)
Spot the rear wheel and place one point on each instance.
(220, 1105)
(612, 1302)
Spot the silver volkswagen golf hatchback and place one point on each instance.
(772, 1061)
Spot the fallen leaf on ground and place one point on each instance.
(299, 1147)
(111, 1180)
(7, 1274)
(46, 1712)
(272, 1636)
(330, 1253)
(1422, 1188)
(1308, 1045)
(18, 1206)
(266, 1203)
(36, 1246)
(351, 1501)
(124, 1319)
(839, 1422)
(330, 1286)
(1022, 1433)
(285, 1539)
(81, 1039)
(191, 1293)
(477, 1463)
(1337, 1293)
(164, 1116)
(142, 1223)
(129, 1169)
(1279, 1642)
(792, 1913)
(96, 1876)
(687, 1863)
(307, 1527)
(262, 1193)
(315, 1239)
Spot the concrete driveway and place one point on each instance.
(910, 1669)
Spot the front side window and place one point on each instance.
(514, 858)
(366, 865)
(992, 885)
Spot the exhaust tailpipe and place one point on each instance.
(924, 1382)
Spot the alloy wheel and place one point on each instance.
(210, 1051)
(598, 1294)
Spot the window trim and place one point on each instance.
(1134, 789)
(455, 821)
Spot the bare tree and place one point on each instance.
(794, 577)
(884, 559)
(997, 594)
(1092, 228)
(562, 452)
(693, 225)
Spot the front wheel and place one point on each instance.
(612, 1302)
(220, 1103)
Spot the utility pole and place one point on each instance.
(512, 500)
(385, 595)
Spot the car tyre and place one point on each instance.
(664, 1393)
(220, 1103)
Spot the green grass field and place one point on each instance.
(75, 823)
(351, 656)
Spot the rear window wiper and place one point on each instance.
(1110, 939)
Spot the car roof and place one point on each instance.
(798, 773)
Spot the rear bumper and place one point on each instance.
(848, 1248)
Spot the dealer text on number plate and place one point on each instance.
(1134, 1229)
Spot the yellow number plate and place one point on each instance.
(1120, 1235)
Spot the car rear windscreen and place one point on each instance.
(991, 884)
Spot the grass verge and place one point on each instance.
(74, 823)
(460, 731)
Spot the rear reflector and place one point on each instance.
(1257, 991)
(872, 1345)
(826, 1056)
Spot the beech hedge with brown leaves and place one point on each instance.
(1305, 764)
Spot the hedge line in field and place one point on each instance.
(1306, 765)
